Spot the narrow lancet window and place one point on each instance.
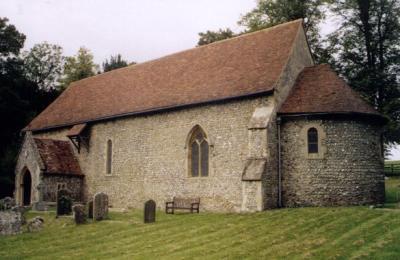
(312, 138)
(109, 157)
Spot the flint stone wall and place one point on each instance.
(72, 184)
(350, 172)
(299, 58)
(150, 156)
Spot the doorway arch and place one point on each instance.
(26, 188)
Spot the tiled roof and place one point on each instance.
(58, 157)
(318, 89)
(241, 66)
(76, 130)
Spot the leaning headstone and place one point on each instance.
(90, 209)
(64, 203)
(100, 206)
(79, 214)
(150, 211)
(35, 224)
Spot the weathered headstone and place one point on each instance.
(10, 222)
(7, 203)
(100, 206)
(40, 205)
(150, 211)
(35, 224)
(64, 203)
(90, 209)
(79, 214)
(21, 210)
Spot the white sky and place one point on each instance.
(139, 30)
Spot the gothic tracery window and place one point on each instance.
(198, 153)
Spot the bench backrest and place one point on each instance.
(185, 202)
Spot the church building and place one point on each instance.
(245, 124)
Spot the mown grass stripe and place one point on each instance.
(183, 235)
(377, 243)
(287, 233)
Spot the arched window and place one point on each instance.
(109, 157)
(198, 153)
(312, 139)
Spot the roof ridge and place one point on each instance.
(192, 49)
(239, 67)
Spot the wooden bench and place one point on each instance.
(192, 204)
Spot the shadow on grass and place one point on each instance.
(392, 192)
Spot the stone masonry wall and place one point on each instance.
(51, 183)
(299, 58)
(150, 156)
(28, 160)
(348, 170)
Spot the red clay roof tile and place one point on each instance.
(240, 66)
(318, 89)
(58, 157)
(76, 130)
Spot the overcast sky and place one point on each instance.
(140, 30)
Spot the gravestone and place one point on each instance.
(64, 203)
(21, 210)
(79, 214)
(10, 222)
(40, 205)
(7, 203)
(35, 224)
(90, 209)
(100, 206)
(150, 211)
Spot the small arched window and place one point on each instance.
(109, 157)
(312, 139)
(198, 153)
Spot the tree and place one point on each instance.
(20, 100)
(44, 65)
(78, 67)
(366, 51)
(115, 62)
(269, 13)
(11, 41)
(213, 36)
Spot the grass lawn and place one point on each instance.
(322, 233)
(392, 168)
(392, 162)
